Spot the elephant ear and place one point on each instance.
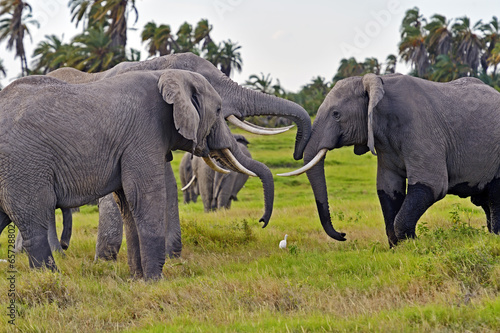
(177, 88)
(373, 85)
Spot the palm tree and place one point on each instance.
(348, 67)
(390, 64)
(229, 58)
(3, 71)
(94, 51)
(439, 39)
(14, 27)
(445, 69)
(263, 83)
(491, 33)
(80, 9)
(412, 46)
(468, 43)
(51, 54)
(371, 65)
(116, 12)
(202, 33)
(158, 38)
(111, 14)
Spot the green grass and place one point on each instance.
(232, 277)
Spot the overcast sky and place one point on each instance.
(294, 41)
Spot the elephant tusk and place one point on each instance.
(210, 162)
(188, 184)
(237, 165)
(249, 127)
(308, 166)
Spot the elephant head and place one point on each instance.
(237, 102)
(343, 119)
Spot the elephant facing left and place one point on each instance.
(64, 145)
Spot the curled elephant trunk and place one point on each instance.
(316, 176)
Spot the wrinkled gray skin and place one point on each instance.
(216, 189)
(236, 100)
(439, 138)
(55, 245)
(64, 145)
(185, 175)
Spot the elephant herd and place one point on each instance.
(69, 137)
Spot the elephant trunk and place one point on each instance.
(316, 176)
(266, 177)
(259, 169)
(254, 103)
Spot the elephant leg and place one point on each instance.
(482, 201)
(110, 229)
(391, 194)
(145, 194)
(418, 199)
(67, 227)
(35, 238)
(494, 205)
(133, 247)
(173, 244)
(52, 236)
(223, 187)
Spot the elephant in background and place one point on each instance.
(431, 139)
(237, 103)
(66, 144)
(190, 193)
(216, 189)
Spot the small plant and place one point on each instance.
(422, 228)
(294, 250)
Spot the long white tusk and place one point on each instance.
(308, 166)
(237, 164)
(211, 163)
(249, 127)
(188, 184)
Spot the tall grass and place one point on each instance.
(232, 277)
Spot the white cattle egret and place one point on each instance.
(283, 243)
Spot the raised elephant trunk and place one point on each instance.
(255, 103)
(316, 176)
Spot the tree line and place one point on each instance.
(436, 48)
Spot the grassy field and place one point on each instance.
(232, 277)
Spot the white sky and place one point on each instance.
(292, 40)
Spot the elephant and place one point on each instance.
(216, 189)
(430, 139)
(66, 144)
(191, 193)
(237, 103)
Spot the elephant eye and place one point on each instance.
(218, 112)
(336, 115)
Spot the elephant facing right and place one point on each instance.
(431, 139)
